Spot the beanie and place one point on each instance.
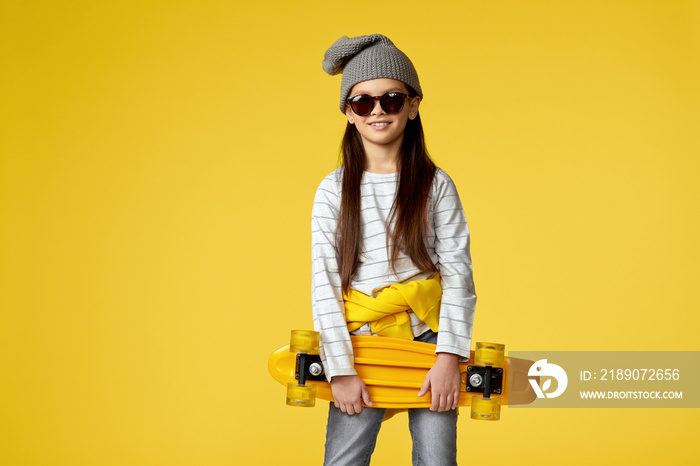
(368, 57)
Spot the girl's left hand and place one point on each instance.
(443, 381)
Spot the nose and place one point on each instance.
(377, 109)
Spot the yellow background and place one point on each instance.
(158, 162)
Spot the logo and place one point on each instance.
(542, 368)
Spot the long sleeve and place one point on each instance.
(454, 262)
(447, 243)
(326, 296)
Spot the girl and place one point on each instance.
(388, 216)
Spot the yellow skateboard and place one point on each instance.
(394, 370)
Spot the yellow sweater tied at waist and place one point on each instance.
(387, 312)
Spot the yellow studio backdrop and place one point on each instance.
(158, 161)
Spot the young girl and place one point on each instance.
(388, 216)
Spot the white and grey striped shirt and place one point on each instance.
(447, 242)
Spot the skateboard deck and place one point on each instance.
(394, 370)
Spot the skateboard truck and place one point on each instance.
(487, 378)
(309, 367)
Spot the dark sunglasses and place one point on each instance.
(363, 104)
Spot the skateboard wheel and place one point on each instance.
(304, 341)
(486, 409)
(301, 395)
(489, 354)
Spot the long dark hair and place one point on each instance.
(410, 208)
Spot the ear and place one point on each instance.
(350, 116)
(415, 103)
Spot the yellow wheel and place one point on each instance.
(489, 354)
(486, 409)
(304, 341)
(301, 395)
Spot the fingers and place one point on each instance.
(436, 401)
(365, 396)
(439, 403)
(348, 408)
(348, 394)
(444, 402)
(351, 408)
(425, 387)
(357, 407)
(354, 406)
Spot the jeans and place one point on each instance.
(350, 440)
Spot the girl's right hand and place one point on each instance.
(349, 391)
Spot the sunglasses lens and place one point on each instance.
(362, 104)
(392, 102)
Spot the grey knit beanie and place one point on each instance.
(368, 57)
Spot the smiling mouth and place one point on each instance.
(380, 124)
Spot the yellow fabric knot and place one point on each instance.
(387, 314)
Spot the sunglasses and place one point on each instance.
(363, 104)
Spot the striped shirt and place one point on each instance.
(447, 243)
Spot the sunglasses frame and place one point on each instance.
(376, 98)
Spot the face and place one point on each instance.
(379, 128)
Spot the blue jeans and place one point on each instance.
(350, 440)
